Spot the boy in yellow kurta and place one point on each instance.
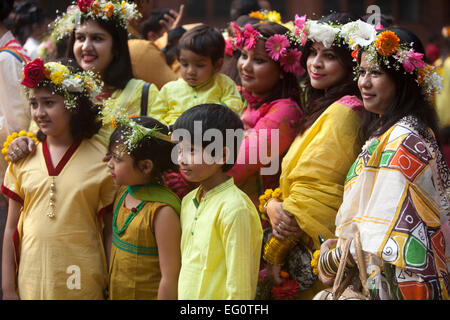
(61, 196)
(200, 52)
(221, 231)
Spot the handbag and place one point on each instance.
(354, 285)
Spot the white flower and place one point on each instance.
(321, 32)
(73, 84)
(358, 33)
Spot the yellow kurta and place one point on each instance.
(134, 264)
(178, 96)
(220, 245)
(314, 171)
(62, 257)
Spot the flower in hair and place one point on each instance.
(411, 60)
(251, 36)
(290, 61)
(276, 46)
(387, 43)
(120, 12)
(322, 32)
(265, 15)
(63, 80)
(358, 33)
(238, 35)
(300, 28)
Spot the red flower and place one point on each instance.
(286, 291)
(84, 5)
(33, 73)
(355, 54)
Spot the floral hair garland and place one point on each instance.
(379, 48)
(266, 15)
(282, 48)
(136, 132)
(63, 80)
(121, 12)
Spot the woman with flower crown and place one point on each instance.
(58, 228)
(271, 92)
(314, 169)
(396, 196)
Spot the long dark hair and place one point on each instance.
(288, 86)
(316, 101)
(119, 71)
(409, 98)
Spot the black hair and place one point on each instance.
(119, 71)
(409, 98)
(154, 149)
(243, 7)
(6, 7)
(85, 121)
(316, 101)
(152, 22)
(203, 40)
(288, 86)
(214, 116)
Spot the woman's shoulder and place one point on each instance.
(351, 102)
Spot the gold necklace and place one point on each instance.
(51, 213)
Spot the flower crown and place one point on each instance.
(64, 81)
(266, 15)
(282, 48)
(136, 132)
(121, 12)
(380, 48)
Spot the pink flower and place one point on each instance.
(299, 24)
(412, 60)
(229, 48)
(251, 36)
(290, 61)
(239, 36)
(379, 26)
(276, 45)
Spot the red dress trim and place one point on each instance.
(11, 194)
(66, 157)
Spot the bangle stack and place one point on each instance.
(329, 263)
(12, 137)
(276, 251)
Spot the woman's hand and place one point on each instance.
(173, 19)
(283, 223)
(324, 248)
(20, 148)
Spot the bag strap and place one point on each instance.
(144, 99)
(339, 286)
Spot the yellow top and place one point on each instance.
(134, 264)
(126, 101)
(62, 257)
(178, 96)
(443, 99)
(220, 245)
(314, 169)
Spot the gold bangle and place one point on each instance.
(276, 251)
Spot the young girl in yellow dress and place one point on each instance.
(145, 254)
(61, 196)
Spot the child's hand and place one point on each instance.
(273, 273)
(173, 19)
(20, 148)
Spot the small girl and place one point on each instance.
(61, 196)
(145, 253)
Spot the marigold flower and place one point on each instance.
(109, 10)
(387, 43)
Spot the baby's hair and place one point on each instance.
(203, 40)
(213, 116)
(154, 149)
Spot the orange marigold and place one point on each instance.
(109, 10)
(387, 43)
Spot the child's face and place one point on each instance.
(197, 165)
(49, 112)
(259, 73)
(196, 69)
(93, 47)
(123, 169)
